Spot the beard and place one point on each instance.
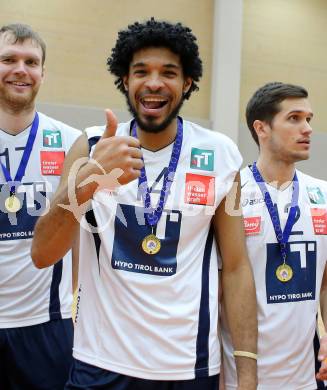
(16, 103)
(150, 126)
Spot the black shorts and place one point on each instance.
(87, 377)
(36, 357)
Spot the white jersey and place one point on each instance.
(28, 295)
(155, 316)
(286, 310)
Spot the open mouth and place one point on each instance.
(153, 103)
(19, 83)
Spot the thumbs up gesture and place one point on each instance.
(117, 152)
(111, 125)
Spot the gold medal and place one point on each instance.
(151, 244)
(284, 273)
(12, 204)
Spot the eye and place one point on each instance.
(139, 72)
(7, 60)
(32, 62)
(170, 73)
(294, 118)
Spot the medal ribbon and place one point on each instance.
(281, 236)
(25, 157)
(152, 215)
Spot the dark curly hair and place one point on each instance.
(153, 33)
(265, 102)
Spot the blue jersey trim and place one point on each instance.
(54, 306)
(202, 342)
(90, 218)
(92, 141)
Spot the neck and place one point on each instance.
(157, 141)
(15, 122)
(274, 172)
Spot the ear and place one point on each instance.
(125, 82)
(261, 128)
(187, 84)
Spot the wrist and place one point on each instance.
(246, 354)
(84, 188)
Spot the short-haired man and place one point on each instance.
(35, 305)
(285, 216)
(148, 294)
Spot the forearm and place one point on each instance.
(241, 311)
(55, 232)
(323, 306)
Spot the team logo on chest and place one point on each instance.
(315, 195)
(52, 139)
(202, 159)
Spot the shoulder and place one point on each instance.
(204, 138)
(248, 183)
(316, 189)
(246, 175)
(49, 123)
(310, 180)
(206, 134)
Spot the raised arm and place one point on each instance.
(239, 298)
(56, 231)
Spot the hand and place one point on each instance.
(322, 357)
(117, 157)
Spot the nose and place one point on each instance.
(20, 67)
(307, 129)
(154, 82)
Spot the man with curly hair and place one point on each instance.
(154, 195)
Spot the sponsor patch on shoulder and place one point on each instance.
(319, 221)
(51, 163)
(252, 225)
(199, 189)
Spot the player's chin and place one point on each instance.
(306, 156)
(21, 100)
(301, 156)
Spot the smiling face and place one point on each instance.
(288, 136)
(155, 86)
(21, 73)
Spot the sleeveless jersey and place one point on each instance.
(287, 311)
(155, 316)
(28, 295)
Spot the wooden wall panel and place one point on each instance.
(286, 40)
(79, 36)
